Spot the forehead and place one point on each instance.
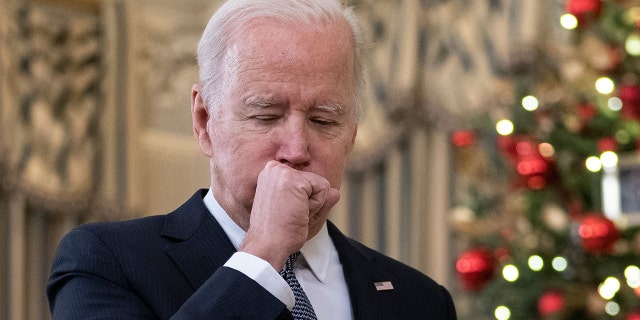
(272, 53)
(294, 42)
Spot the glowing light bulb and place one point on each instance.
(632, 274)
(608, 288)
(568, 21)
(502, 313)
(546, 150)
(632, 45)
(510, 273)
(535, 263)
(605, 85)
(612, 308)
(614, 104)
(504, 127)
(559, 264)
(593, 164)
(530, 103)
(609, 159)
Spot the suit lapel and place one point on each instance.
(201, 245)
(361, 275)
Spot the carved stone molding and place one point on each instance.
(49, 137)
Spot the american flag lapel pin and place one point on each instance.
(383, 285)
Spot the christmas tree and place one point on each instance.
(548, 212)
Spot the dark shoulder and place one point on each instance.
(178, 224)
(393, 266)
(133, 227)
(353, 252)
(410, 293)
(139, 234)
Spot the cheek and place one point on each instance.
(333, 160)
(245, 155)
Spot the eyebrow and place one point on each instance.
(259, 103)
(333, 108)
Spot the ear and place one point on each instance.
(200, 116)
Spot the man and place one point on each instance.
(276, 113)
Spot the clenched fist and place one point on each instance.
(290, 206)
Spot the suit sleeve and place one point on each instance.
(87, 281)
(229, 294)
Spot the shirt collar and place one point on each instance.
(316, 252)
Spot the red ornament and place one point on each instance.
(598, 234)
(607, 144)
(633, 316)
(534, 170)
(586, 111)
(475, 268)
(630, 96)
(463, 138)
(550, 303)
(584, 10)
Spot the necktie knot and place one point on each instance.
(291, 260)
(302, 309)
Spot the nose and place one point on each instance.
(293, 144)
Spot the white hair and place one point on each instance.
(234, 15)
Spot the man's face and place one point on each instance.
(289, 97)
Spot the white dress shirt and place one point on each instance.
(318, 269)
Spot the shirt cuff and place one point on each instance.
(263, 273)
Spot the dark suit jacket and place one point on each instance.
(170, 266)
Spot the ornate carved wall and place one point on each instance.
(95, 122)
(58, 128)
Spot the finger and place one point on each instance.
(332, 197)
(319, 191)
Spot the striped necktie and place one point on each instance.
(302, 310)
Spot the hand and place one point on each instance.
(290, 206)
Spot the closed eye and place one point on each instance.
(323, 121)
(266, 117)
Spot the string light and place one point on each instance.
(593, 164)
(546, 150)
(502, 313)
(632, 274)
(568, 21)
(605, 85)
(559, 264)
(535, 263)
(530, 103)
(609, 159)
(632, 45)
(504, 127)
(614, 104)
(608, 288)
(612, 308)
(510, 273)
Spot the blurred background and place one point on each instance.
(497, 150)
